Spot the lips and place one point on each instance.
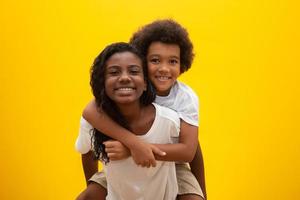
(124, 89)
(163, 78)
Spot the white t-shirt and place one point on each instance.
(126, 180)
(181, 99)
(184, 101)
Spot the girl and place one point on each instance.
(120, 86)
(169, 53)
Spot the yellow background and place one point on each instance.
(246, 73)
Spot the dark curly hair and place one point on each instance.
(166, 31)
(97, 83)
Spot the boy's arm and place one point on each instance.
(197, 168)
(141, 152)
(89, 164)
(185, 149)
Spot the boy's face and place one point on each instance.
(163, 62)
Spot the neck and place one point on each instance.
(131, 112)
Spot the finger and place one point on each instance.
(145, 164)
(108, 143)
(110, 150)
(152, 163)
(111, 155)
(148, 165)
(157, 151)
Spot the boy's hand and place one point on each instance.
(143, 154)
(116, 150)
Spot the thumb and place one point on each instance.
(157, 151)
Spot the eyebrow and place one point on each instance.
(160, 56)
(139, 66)
(113, 66)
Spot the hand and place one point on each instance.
(143, 154)
(116, 150)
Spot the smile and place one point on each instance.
(124, 89)
(162, 78)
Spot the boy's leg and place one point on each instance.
(94, 191)
(189, 197)
(188, 186)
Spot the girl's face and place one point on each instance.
(163, 62)
(124, 78)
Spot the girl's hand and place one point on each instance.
(116, 150)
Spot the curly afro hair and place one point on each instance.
(166, 31)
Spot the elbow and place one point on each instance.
(86, 113)
(188, 157)
(89, 110)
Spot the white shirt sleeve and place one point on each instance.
(83, 143)
(187, 105)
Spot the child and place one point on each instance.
(120, 86)
(169, 53)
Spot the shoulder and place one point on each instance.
(167, 114)
(186, 91)
(85, 124)
(185, 98)
(89, 110)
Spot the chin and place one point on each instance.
(124, 101)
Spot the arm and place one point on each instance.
(197, 168)
(184, 150)
(89, 164)
(142, 153)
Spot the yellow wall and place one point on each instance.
(246, 73)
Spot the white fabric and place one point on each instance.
(83, 142)
(125, 179)
(181, 99)
(184, 101)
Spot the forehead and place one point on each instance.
(164, 49)
(124, 58)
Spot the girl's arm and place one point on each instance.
(89, 164)
(141, 152)
(197, 168)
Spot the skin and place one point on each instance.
(163, 62)
(124, 84)
(93, 190)
(121, 68)
(164, 68)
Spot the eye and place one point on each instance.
(135, 70)
(113, 72)
(154, 60)
(174, 61)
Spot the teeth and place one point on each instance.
(163, 78)
(125, 89)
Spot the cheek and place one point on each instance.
(151, 71)
(107, 86)
(176, 72)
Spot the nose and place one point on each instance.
(163, 68)
(124, 77)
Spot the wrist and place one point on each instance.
(131, 141)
